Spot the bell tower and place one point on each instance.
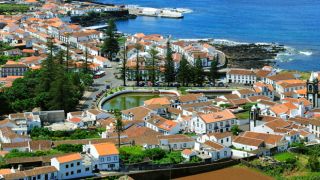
(313, 90)
(253, 117)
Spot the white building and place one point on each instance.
(105, 156)
(213, 122)
(241, 76)
(213, 150)
(72, 166)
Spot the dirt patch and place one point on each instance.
(232, 173)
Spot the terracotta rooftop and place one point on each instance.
(69, 158)
(106, 149)
(217, 116)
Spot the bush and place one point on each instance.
(67, 148)
(155, 153)
(313, 163)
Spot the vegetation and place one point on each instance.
(154, 59)
(136, 154)
(169, 73)
(199, 75)
(16, 153)
(13, 8)
(243, 115)
(183, 75)
(213, 74)
(67, 148)
(50, 88)
(225, 105)
(235, 130)
(118, 124)
(110, 45)
(93, 18)
(138, 48)
(38, 133)
(283, 157)
(303, 164)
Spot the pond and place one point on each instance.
(127, 101)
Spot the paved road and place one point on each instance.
(100, 85)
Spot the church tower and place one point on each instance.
(254, 116)
(312, 90)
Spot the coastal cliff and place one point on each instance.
(250, 55)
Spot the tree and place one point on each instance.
(110, 45)
(183, 75)
(153, 52)
(118, 124)
(213, 74)
(235, 130)
(124, 65)
(198, 72)
(169, 73)
(138, 47)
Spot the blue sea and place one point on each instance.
(293, 23)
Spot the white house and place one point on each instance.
(241, 76)
(247, 144)
(105, 156)
(163, 125)
(72, 166)
(213, 150)
(224, 138)
(213, 122)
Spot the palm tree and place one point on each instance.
(118, 124)
(138, 47)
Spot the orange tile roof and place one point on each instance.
(187, 152)
(218, 116)
(161, 101)
(214, 145)
(106, 149)
(5, 171)
(248, 141)
(267, 138)
(68, 158)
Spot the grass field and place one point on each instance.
(282, 157)
(243, 115)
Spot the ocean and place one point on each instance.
(293, 23)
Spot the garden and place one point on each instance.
(300, 163)
(136, 154)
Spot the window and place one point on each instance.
(67, 174)
(175, 146)
(39, 177)
(71, 172)
(115, 158)
(227, 139)
(108, 158)
(221, 141)
(221, 123)
(71, 164)
(210, 126)
(87, 169)
(225, 153)
(79, 171)
(67, 166)
(78, 163)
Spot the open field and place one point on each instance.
(232, 173)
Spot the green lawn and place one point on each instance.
(243, 115)
(282, 157)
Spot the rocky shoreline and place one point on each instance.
(250, 55)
